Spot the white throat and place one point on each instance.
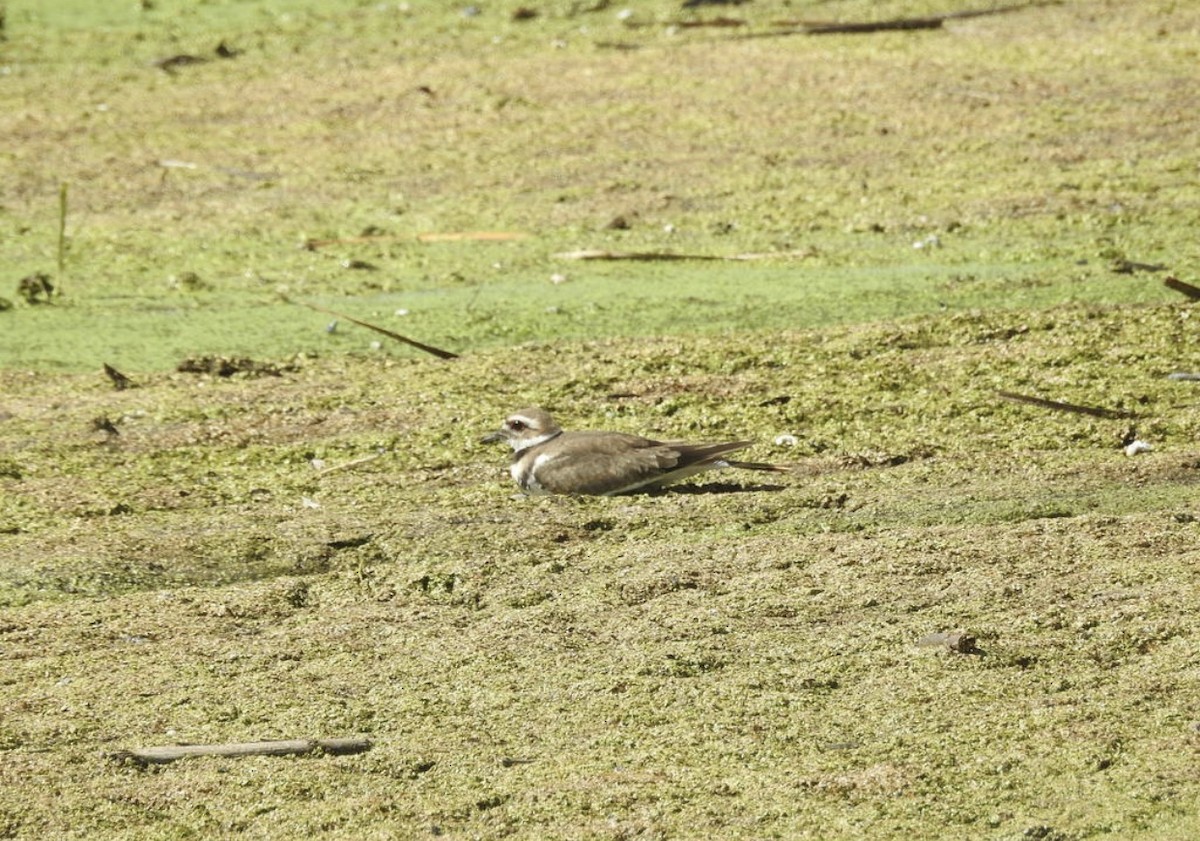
(523, 445)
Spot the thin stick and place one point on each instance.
(898, 24)
(62, 230)
(1065, 407)
(590, 254)
(1180, 286)
(648, 256)
(314, 244)
(169, 753)
(438, 352)
(448, 236)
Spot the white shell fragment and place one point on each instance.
(1135, 447)
(786, 440)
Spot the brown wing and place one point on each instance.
(606, 463)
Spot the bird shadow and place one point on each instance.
(715, 488)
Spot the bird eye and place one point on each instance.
(516, 425)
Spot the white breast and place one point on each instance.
(524, 472)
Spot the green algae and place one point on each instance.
(735, 659)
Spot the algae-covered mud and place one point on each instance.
(964, 614)
(1007, 160)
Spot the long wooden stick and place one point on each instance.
(1180, 286)
(899, 24)
(1064, 407)
(169, 753)
(438, 352)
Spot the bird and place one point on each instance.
(547, 460)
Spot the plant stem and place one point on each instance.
(62, 229)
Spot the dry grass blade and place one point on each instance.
(348, 465)
(315, 244)
(711, 22)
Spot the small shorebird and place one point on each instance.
(547, 460)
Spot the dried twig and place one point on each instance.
(896, 24)
(900, 24)
(477, 236)
(721, 22)
(438, 352)
(170, 753)
(1178, 285)
(447, 236)
(170, 63)
(120, 381)
(1065, 407)
(595, 254)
